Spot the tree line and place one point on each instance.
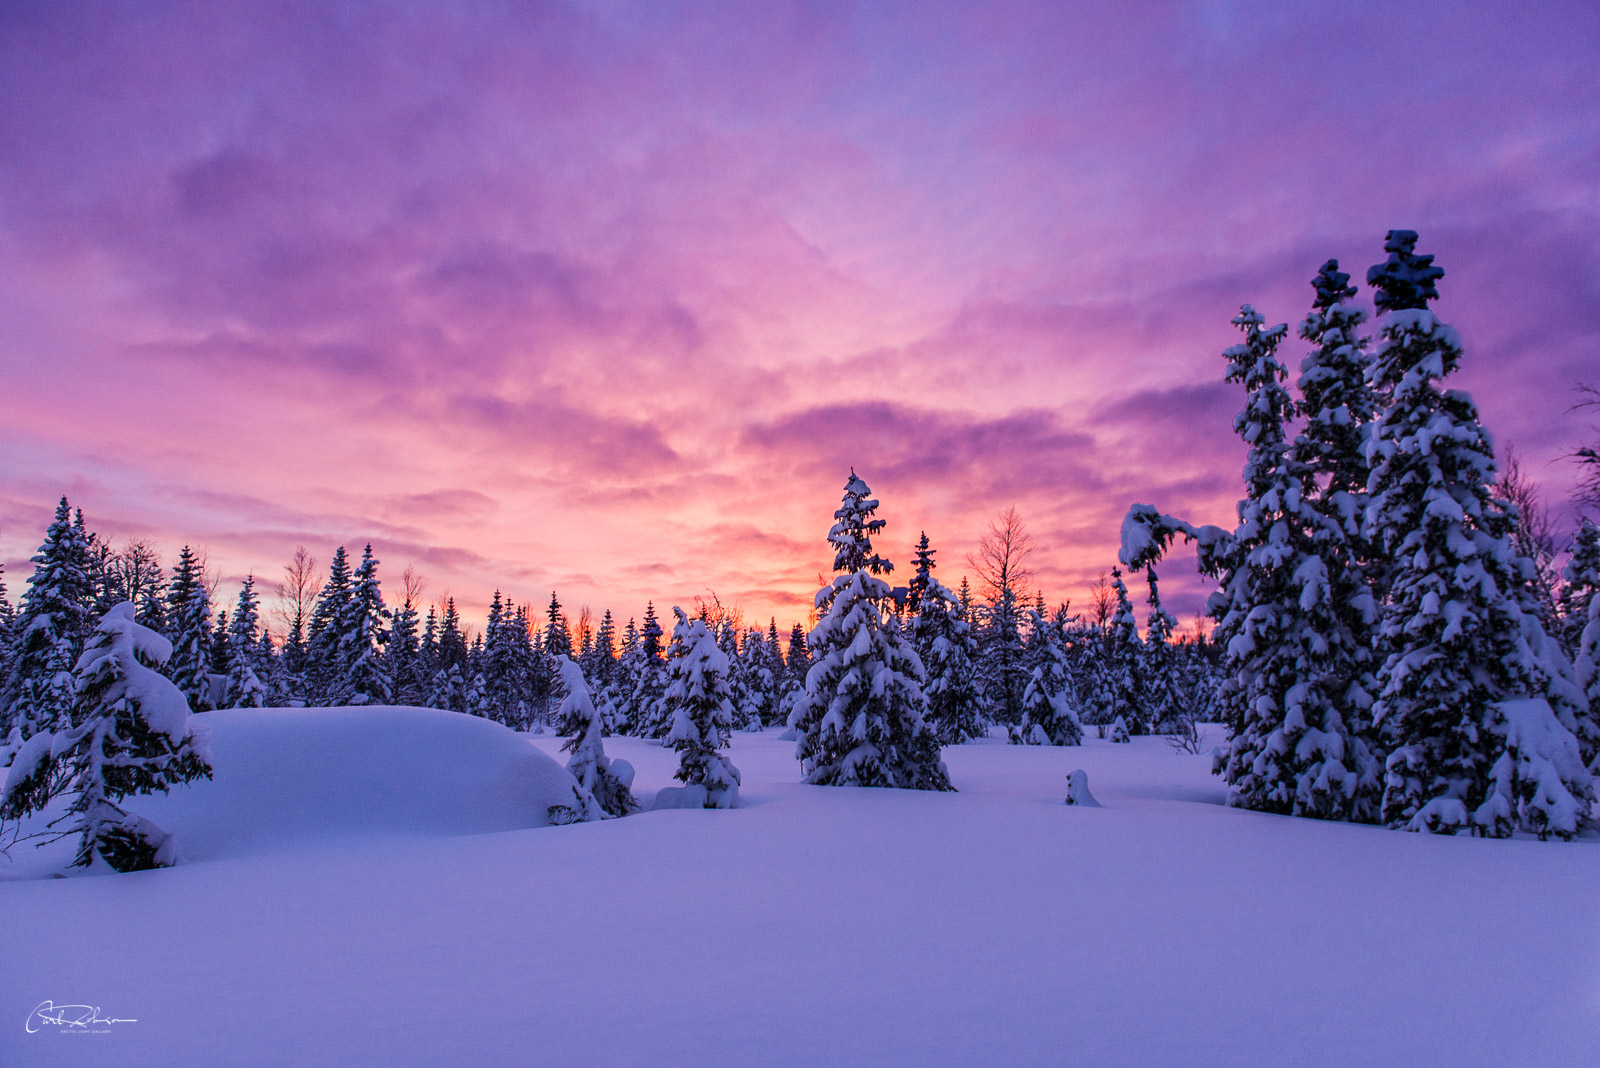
(990, 659)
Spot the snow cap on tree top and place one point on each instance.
(1405, 279)
(1332, 286)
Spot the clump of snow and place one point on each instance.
(282, 776)
(26, 762)
(1139, 539)
(1078, 790)
(1530, 779)
(1119, 730)
(691, 796)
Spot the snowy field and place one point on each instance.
(387, 922)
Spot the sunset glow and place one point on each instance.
(608, 298)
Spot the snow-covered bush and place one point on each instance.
(130, 734)
(603, 784)
(701, 714)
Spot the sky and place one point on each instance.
(608, 298)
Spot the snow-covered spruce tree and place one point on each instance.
(323, 669)
(268, 670)
(47, 635)
(797, 656)
(152, 603)
(447, 690)
(189, 628)
(1581, 605)
(600, 663)
(739, 690)
(1338, 405)
(1086, 653)
(246, 687)
(1158, 665)
(764, 670)
(1580, 582)
(1124, 692)
(1048, 717)
(619, 694)
(8, 619)
(646, 706)
(1330, 459)
(407, 667)
(1466, 753)
(1292, 749)
(602, 792)
(557, 638)
(796, 663)
(363, 676)
(922, 565)
(452, 639)
(477, 697)
(698, 701)
(948, 652)
(130, 734)
(221, 648)
(1001, 657)
(529, 670)
(861, 719)
(499, 663)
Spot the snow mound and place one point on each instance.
(283, 776)
(1078, 790)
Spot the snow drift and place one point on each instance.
(290, 775)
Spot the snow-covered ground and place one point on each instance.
(813, 925)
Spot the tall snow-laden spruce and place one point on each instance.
(189, 628)
(1003, 674)
(1123, 680)
(1048, 715)
(8, 621)
(557, 637)
(1582, 595)
(796, 664)
(499, 667)
(324, 672)
(407, 665)
(1330, 456)
(246, 670)
(646, 710)
(1278, 616)
(699, 703)
(949, 655)
(47, 635)
(130, 734)
(739, 690)
(861, 719)
(1461, 691)
(603, 784)
(1158, 662)
(363, 675)
(1339, 406)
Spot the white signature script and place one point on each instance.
(49, 1012)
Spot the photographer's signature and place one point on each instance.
(67, 1017)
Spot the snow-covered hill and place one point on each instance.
(814, 925)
